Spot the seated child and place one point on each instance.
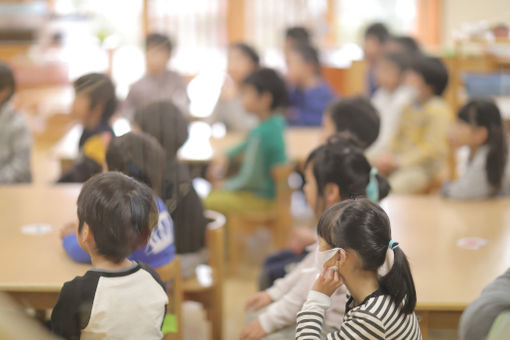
(480, 127)
(355, 118)
(159, 83)
(117, 298)
(140, 157)
(334, 172)
(376, 36)
(478, 318)
(253, 189)
(165, 122)
(356, 250)
(309, 93)
(390, 99)
(242, 61)
(420, 146)
(94, 104)
(15, 138)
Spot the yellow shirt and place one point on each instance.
(422, 137)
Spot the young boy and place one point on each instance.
(117, 298)
(309, 94)
(419, 148)
(390, 99)
(158, 83)
(94, 104)
(15, 139)
(376, 36)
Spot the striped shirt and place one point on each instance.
(375, 318)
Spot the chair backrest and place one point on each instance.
(281, 175)
(216, 243)
(170, 274)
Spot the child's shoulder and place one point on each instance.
(437, 106)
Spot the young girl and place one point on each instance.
(165, 122)
(334, 172)
(253, 188)
(139, 156)
(356, 249)
(480, 127)
(242, 61)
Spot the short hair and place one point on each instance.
(137, 155)
(119, 211)
(379, 31)
(298, 34)
(401, 60)
(7, 80)
(165, 122)
(248, 51)
(358, 117)
(100, 90)
(158, 40)
(408, 43)
(309, 54)
(266, 80)
(433, 72)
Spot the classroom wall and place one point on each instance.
(456, 12)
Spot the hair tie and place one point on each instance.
(393, 244)
(372, 190)
(389, 259)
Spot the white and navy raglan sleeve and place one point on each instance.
(311, 317)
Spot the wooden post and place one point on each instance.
(235, 20)
(429, 22)
(145, 18)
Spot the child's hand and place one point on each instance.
(253, 331)
(300, 239)
(217, 169)
(328, 282)
(386, 163)
(257, 301)
(67, 229)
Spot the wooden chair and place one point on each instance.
(171, 275)
(278, 219)
(211, 296)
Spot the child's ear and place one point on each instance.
(267, 99)
(97, 110)
(341, 258)
(4, 93)
(331, 194)
(481, 135)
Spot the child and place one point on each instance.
(419, 148)
(376, 36)
(334, 172)
(390, 99)
(165, 122)
(117, 298)
(242, 61)
(94, 104)
(253, 189)
(356, 249)
(402, 44)
(140, 157)
(296, 36)
(480, 127)
(158, 83)
(15, 139)
(309, 93)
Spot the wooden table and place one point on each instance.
(448, 278)
(34, 267)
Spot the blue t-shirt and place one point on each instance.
(158, 251)
(307, 106)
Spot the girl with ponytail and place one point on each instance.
(356, 249)
(480, 127)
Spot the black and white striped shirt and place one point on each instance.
(375, 318)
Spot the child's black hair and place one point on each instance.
(379, 31)
(158, 40)
(164, 121)
(340, 161)
(357, 116)
(266, 80)
(137, 155)
(119, 211)
(7, 81)
(364, 227)
(408, 43)
(298, 34)
(433, 71)
(309, 54)
(100, 90)
(483, 112)
(401, 60)
(248, 51)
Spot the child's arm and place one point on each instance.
(18, 169)
(250, 172)
(73, 249)
(65, 317)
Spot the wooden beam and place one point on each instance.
(429, 22)
(235, 20)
